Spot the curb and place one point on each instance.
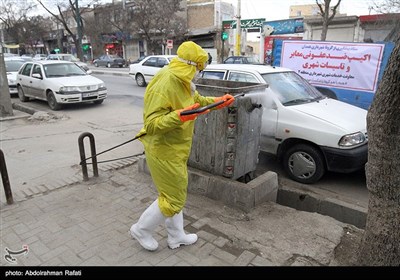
(23, 108)
(303, 200)
(109, 73)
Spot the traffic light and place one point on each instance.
(85, 47)
(57, 50)
(224, 36)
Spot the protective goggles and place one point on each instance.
(199, 65)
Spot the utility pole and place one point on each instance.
(79, 32)
(238, 31)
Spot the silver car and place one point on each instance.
(58, 83)
(70, 57)
(13, 64)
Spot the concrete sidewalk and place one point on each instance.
(64, 221)
(87, 223)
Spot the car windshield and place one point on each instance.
(63, 70)
(13, 65)
(291, 88)
(251, 59)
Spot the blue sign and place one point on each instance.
(288, 26)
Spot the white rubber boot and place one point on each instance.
(176, 233)
(143, 230)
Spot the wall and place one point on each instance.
(200, 14)
(342, 28)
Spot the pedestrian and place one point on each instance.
(167, 139)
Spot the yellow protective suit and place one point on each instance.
(168, 140)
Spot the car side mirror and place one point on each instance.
(37, 76)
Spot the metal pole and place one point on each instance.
(79, 31)
(4, 177)
(262, 42)
(222, 49)
(238, 31)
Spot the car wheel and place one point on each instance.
(21, 95)
(304, 163)
(98, 101)
(96, 65)
(109, 65)
(140, 80)
(52, 101)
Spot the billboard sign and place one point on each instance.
(287, 26)
(245, 23)
(353, 66)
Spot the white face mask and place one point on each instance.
(197, 75)
(192, 88)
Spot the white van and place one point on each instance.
(308, 132)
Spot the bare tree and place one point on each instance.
(386, 7)
(10, 15)
(66, 11)
(5, 99)
(327, 16)
(157, 21)
(13, 17)
(109, 19)
(381, 241)
(31, 32)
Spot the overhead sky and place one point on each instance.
(279, 9)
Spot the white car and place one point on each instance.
(13, 64)
(58, 83)
(145, 70)
(307, 131)
(39, 56)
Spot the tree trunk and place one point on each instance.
(5, 98)
(381, 241)
(324, 31)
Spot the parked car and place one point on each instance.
(138, 60)
(39, 56)
(145, 70)
(241, 60)
(27, 57)
(13, 64)
(69, 57)
(10, 55)
(109, 60)
(307, 131)
(58, 82)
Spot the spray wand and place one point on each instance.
(210, 106)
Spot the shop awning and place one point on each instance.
(11, 46)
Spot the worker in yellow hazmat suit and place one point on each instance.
(167, 139)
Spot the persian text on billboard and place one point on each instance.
(342, 65)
